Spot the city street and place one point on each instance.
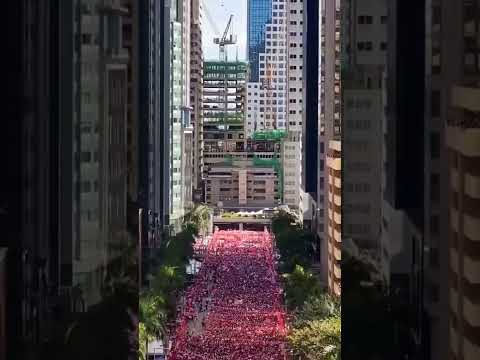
(234, 308)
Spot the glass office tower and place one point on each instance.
(259, 14)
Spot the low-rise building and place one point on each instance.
(243, 187)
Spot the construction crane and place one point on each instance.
(225, 40)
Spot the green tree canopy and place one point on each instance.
(317, 339)
(300, 285)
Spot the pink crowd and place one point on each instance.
(234, 309)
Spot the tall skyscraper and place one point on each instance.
(334, 210)
(403, 222)
(67, 217)
(330, 110)
(362, 74)
(259, 14)
(154, 106)
(311, 82)
(196, 95)
(459, 73)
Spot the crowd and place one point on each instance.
(237, 296)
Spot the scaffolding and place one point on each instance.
(224, 93)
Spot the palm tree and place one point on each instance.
(153, 319)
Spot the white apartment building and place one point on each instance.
(292, 167)
(254, 89)
(294, 66)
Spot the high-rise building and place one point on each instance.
(266, 102)
(275, 101)
(67, 216)
(178, 112)
(196, 95)
(403, 222)
(330, 110)
(294, 66)
(259, 13)
(334, 229)
(458, 72)
(163, 95)
(463, 139)
(363, 66)
(310, 77)
(130, 42)
(154, 106)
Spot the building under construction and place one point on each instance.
(223, 107)
(239, 172)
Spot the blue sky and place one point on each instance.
(220, 11)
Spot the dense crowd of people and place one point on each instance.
(234, 309)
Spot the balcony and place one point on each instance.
(337, 254)
(338, 183)
(336, 289)
(471, 227)
(467, 98)
(337, 218)
(470, 350)
(334, 163)
(472, 186)
(337, 271)
(471, 269)
(337, 200)
(471, 312)
(337, 236)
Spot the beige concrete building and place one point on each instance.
(248, 187)
(334, 237)
(463, 140)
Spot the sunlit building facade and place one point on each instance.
(259, 14)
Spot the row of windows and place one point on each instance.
(358, 228)
(360, 187)
(368, 19)
(359, 124)
(368, 46)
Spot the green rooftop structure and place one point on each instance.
(269, 135)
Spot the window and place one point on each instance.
(383, 46)
(383, 19)
(435, 103)
(435, 225)
(434, 187)
(434, 257)
(365, 19)
(434, 293)
(435, 145)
